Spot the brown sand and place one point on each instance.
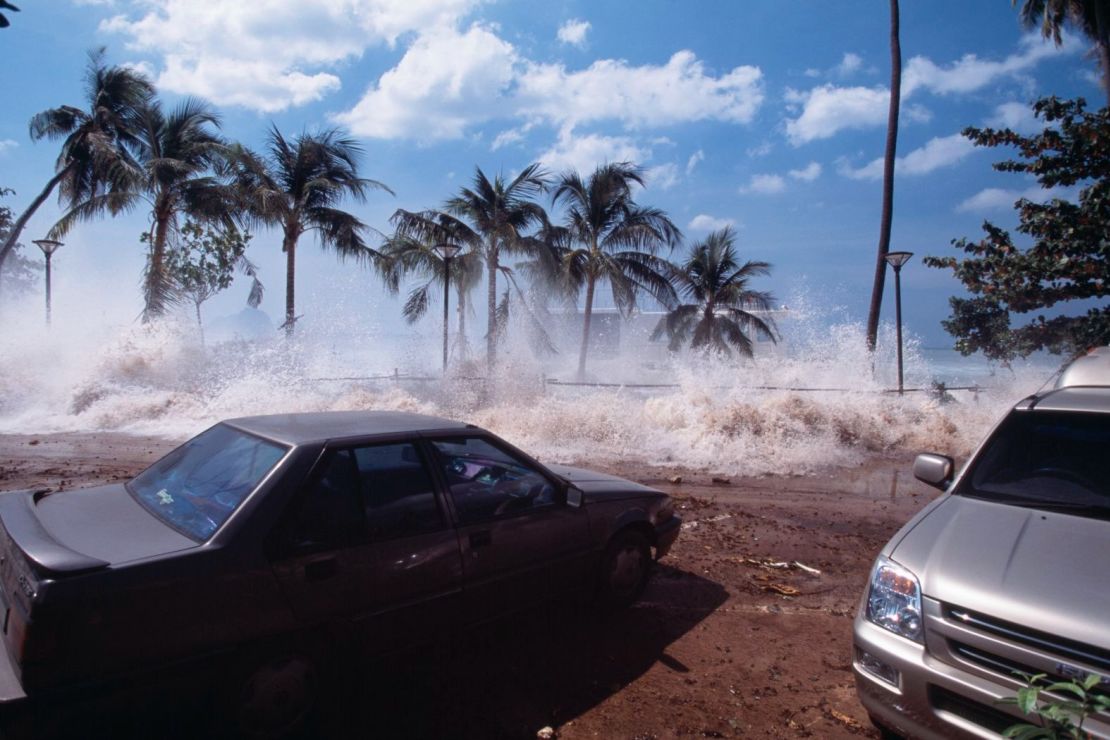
(724, 644)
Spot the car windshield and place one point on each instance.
(1049, 459)
(195, 488)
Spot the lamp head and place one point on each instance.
(897, 259)
(48, 246)
(447, 251)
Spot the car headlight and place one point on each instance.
(665, 512)
(894, 600)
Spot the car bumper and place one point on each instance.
(927, 698)
(11, 690)
(665, 535)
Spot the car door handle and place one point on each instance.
(320, 570)
(480, 539)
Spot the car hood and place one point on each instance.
(598, 486)
(78, 530)
(1040, 569)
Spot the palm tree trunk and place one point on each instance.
(21, 222)
(491, 305)
(888, 178)
(587, 317)
(460, 307)
(200, 325)
(290, 247)
(156, 287)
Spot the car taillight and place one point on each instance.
(28, 645)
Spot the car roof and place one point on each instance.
(305, 428)
(1093, 399)
(1091, 369)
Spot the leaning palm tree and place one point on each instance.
(1092, 17)
(178, 154)
(721, 314)
(492, 219)
(96, 156)
(298, 185)
(607, 237)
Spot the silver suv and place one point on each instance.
(1007, 573)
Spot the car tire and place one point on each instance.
(271, 698)
(625, 568)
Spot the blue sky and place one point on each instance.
(763, 114)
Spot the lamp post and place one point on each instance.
(446, 252)
(896, 260)
(48, 247)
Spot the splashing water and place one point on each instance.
(742, 418)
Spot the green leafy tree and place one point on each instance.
(1091, 17)
(17, 272)
(97, 141)
(203, 262)
(609, 238)
(1069, 258)
(179, 155)
(492, 218)
(722, 312)
(298, 186)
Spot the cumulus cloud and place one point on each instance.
(828, 110)
(573, 32)
(971, 73)
(939, 152)
(584, 152)
(7, 145)
(809, 173)
(695, 159)
(849, 64)
(664, 176)
(1015, 116)
(705, 222)
(274, 54)
(999, 199)
(765, 184)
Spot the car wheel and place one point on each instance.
(275, 698)
(624, 569)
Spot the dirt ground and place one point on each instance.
(744, 631)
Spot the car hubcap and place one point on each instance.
(277, 696)
(628, 569)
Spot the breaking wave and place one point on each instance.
(813, 401)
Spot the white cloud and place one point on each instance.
(849, 64)
(998, 199)
(446, 81)
(695, 159)
(705, 222)
(939, 152)
(760, 150)
(7, 144)
(506, 138)
(828, 110)
(971, 73)
(677, 92)
(271, 54)
(1015, 116)
(664, 177)
(584, 152)
(765, 184)
(809, 173)
(573, 32)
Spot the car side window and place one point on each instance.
(398, 494)
(486, 482)
(330, 513)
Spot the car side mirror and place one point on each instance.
(936, 470)
(574, 497)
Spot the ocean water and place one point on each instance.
(814, 400)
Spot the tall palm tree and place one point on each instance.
(719, 315)
(491, 218)
(609, 238)
(299, 185)
(96, 155)
(179, 153)
(1092, 17)
(887, 214)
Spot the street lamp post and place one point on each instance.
(48, 247)
(896, 260)
(446, 252)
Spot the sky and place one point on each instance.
(766, 115)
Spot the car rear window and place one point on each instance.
(1046, 457)
(195, 488)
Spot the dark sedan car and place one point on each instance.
(278, 542)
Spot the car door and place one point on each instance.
(520, 541)
(367, 547)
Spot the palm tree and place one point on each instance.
(96, 155)
(609, 238)
(720, 314)
(1092, 17)
(490, 219)
(887, 214)
(298, 185)
(178, 153)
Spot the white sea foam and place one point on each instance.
(751, 417)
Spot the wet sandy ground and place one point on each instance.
(734, 637)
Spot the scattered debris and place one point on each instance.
(780, 564)
(690, 525)
(845, 719)
(806, 568)
(783, 589)
(547, 733)
(676, 479)
(724, 481)
(33, 442)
